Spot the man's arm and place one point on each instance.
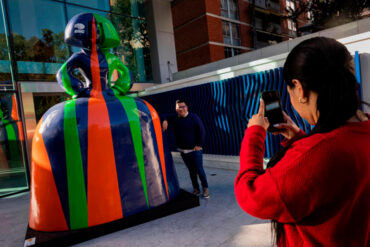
(166, 118)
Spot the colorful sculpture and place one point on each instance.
(100, 156)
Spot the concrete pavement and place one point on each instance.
(218, 221)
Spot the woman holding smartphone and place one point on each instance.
(316, 190)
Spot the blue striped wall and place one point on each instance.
(225, 107)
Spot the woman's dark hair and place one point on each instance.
(325, 66)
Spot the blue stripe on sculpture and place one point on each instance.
(153, 172)
(129, 182)
(54, 144)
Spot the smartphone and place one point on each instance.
(273, 110)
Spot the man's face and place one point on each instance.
(181, 109)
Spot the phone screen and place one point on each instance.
(273, 109)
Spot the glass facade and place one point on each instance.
(38, 38)
(37, 28)
(6, 82)
(32, 49)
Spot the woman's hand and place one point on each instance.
(288, 129)
(259, 118)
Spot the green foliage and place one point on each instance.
(49, 48)
(44, 102)
(133, 34)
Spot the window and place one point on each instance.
(38, 37)
(230, 52)
(6, 81)
(97, 4)
(134, 50)
(229, 9)
(231, 32)
(44, 101)
(290, 5)
(291, 25)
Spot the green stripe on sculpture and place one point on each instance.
(75, 175)
(134, 121)
(123, 83)
(66, 80)
(108, 37)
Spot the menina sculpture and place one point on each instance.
(100, 156)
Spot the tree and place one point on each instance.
(297, 12)
(327, 13)
(133, 34)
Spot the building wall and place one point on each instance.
(184, 11)
(197, 56)
(245, 30)
(191, 19)
(191, 33)
(161, 37)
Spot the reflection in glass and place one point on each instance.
(134, 50)
(12, 169)
(134, 8)
(38, 37)
(97, 4)
(43, 102)
(5, 66)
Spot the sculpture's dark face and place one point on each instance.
(78, 31)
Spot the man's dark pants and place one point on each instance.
(194, 163)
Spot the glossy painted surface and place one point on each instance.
(100, 156)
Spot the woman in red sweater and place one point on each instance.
(316, 190)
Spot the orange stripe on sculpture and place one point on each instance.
(15, 116)
(103, 196)
(158, 134)
(94, 64)
(46, 213)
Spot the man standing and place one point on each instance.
(190, 135)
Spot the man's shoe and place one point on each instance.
(196, 192)
(205, 193)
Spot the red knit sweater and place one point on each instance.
(320, 189)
